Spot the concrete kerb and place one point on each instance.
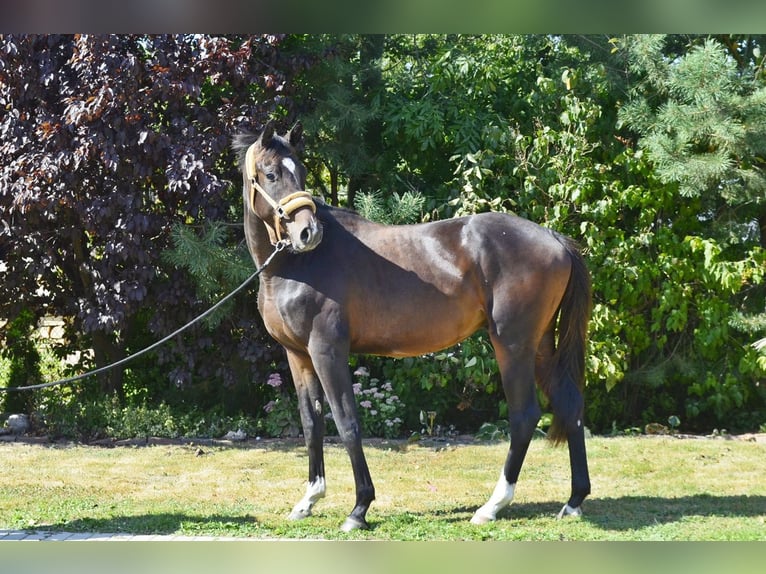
(47, 536)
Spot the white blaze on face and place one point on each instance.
(289, 164)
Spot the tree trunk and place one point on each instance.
(334, 186)
(106, 352)
(371, 83)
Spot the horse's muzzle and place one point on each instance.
(305, 231)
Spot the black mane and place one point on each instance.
(240, 142)
(278, 145)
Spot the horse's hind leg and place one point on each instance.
(568, 407)
(310, 404)
(580, 478)
(517, 368)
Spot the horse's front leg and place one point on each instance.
(310, 404)
(331, 364)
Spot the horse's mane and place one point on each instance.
(336, 210)
(242, 141)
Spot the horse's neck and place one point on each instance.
(347, 219)
(258, 241)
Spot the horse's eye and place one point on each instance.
(271, 176)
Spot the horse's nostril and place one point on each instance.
(305, 235)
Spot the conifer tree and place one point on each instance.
(700, 116)
(703, 120)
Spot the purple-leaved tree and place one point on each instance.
(106, 142)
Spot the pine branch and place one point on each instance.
(215, 267)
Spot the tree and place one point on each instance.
(337, 96)
(106, 143)
(700, 117)
(530, 125)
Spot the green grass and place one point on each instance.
(644, 488)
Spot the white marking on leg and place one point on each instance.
(289, 164)
(314, 491)
(501, 497)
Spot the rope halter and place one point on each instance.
(284, 208)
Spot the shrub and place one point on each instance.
(380, 409)
(23, 363)
(281, 416)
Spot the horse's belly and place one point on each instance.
(414, 333)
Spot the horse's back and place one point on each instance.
(419, 288)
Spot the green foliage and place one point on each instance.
(380, 408)
(106, 418)
(461, 384)
(281, 416)
(705, 131)
(395, 209)
(214, 266)
(493, 432)
(342, 121)
(648, 150)
(700, 122)
(500, 430)
(23, 362)
(82, 413)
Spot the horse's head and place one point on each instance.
(274, 182)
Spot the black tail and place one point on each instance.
(568, 374)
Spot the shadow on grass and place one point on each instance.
(634, 512)
(608, 514)
(162, 523)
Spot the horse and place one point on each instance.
(348, 285)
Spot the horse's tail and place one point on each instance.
(567, 376)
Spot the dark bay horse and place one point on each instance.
(348, 285)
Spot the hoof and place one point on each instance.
(569, 511)
(299, 514)
(352, 524)
(479, 518)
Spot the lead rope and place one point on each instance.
(277, 248)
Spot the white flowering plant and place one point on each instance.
(380, 409)
(282, 417)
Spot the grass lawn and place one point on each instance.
(644, 488)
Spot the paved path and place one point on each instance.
(41, 535)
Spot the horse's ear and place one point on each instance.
(295, 134)
(267, 134)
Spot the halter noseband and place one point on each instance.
(284, 208)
